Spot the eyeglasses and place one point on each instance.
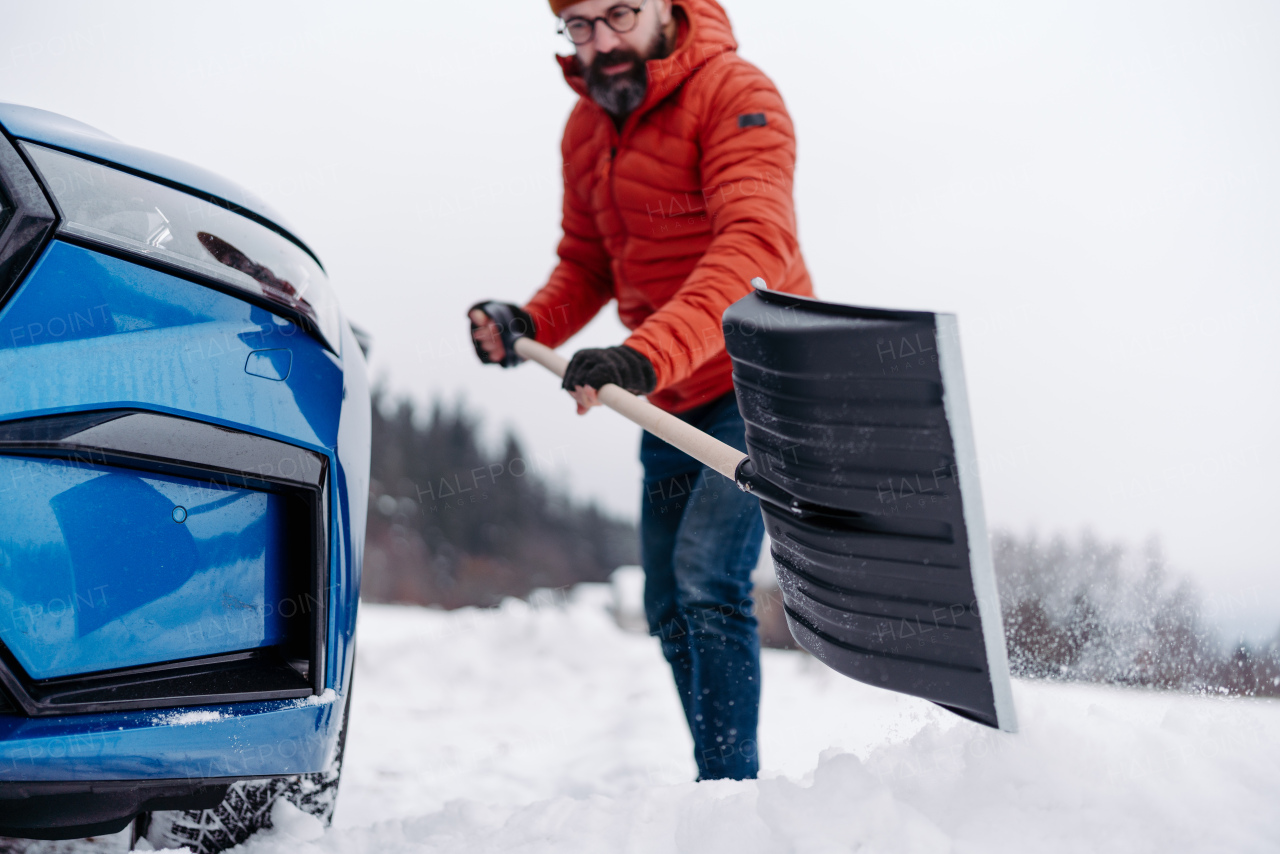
(620, 19)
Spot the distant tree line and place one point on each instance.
(452, 523)
(1095, 611)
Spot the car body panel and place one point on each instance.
(147, 339)
(351, 494)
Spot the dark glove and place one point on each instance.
(621, 366)
(513, 322)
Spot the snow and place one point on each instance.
(324, 698)
(289, 823)
(209, 716)
(199, 716)
(545, 728)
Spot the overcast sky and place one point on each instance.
(1093, 187)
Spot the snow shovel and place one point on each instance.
(860, 449)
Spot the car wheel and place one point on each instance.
(247, 807)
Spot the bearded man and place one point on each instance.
(678, 163)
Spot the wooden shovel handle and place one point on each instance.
(708, 450)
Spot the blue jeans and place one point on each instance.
(699, 540)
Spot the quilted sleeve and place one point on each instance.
(582, 282)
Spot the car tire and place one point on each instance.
(247, 807)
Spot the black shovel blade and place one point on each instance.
(861, 449)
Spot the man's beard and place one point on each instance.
(619, 94)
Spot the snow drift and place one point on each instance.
(543, 727)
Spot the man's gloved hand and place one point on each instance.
(621, 366)
(495, 326)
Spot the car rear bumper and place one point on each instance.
(67, 778)
(235, 740)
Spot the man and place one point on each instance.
(678, 162)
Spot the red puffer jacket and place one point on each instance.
(674, 215)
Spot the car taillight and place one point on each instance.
(114, 208)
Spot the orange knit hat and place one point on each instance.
(558, 6)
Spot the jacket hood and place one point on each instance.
(703, 32)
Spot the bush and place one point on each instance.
(1094, 611)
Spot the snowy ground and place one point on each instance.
(545, 728)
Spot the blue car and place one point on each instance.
(184, 466)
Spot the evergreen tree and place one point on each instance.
(453, 524)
